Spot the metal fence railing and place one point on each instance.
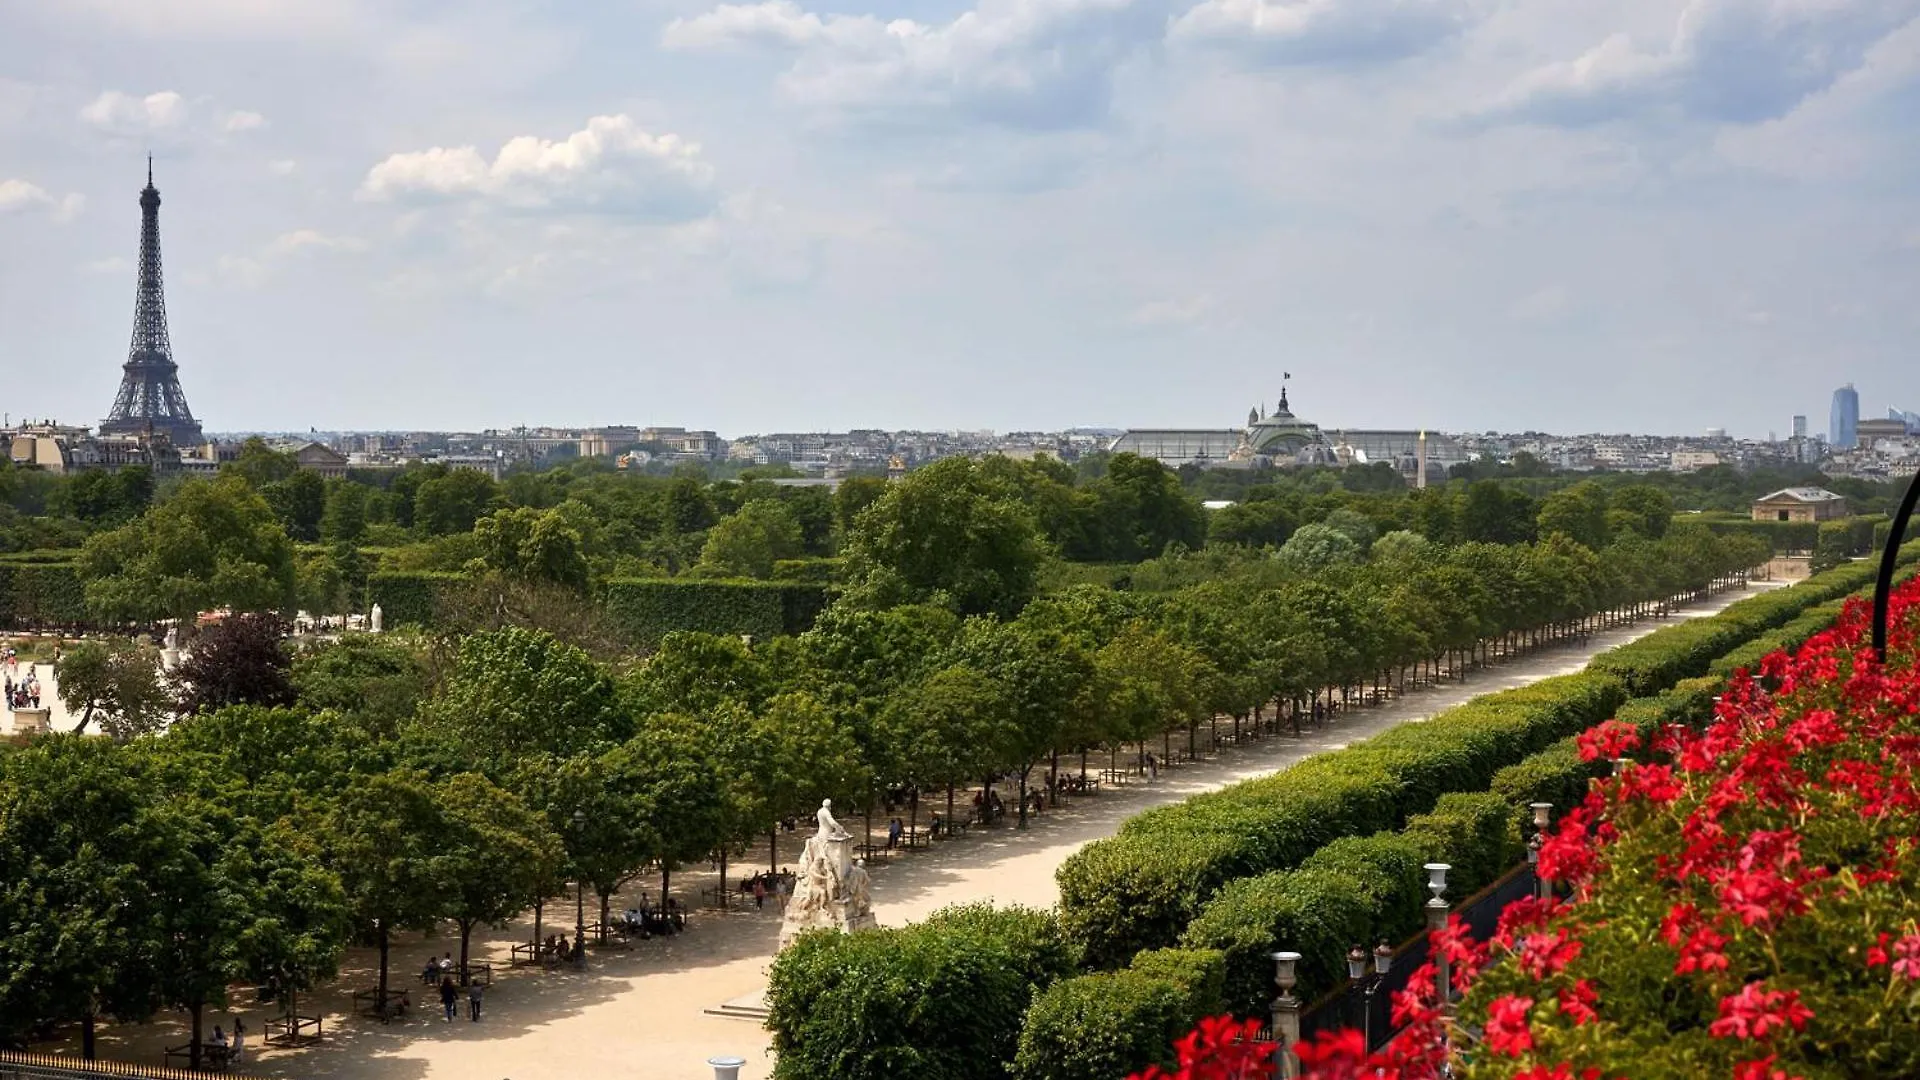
(22, 1066)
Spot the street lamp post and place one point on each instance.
(579, 899)
(1286, 1016)
(1437, 910)
(1382, 963)
(1357, 984)
(1542, 814)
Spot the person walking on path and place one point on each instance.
(759, 893)
(473, 1002)
(448, 995)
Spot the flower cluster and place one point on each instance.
(1741, 900)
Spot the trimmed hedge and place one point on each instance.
(649, 609)
(1684, 650)
(1355, 891)
(942, 998)
(1115, 1023)
(36, 594)
(1139, 889)
(644, 609)
(410, 597)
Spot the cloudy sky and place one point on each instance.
(1557, 214)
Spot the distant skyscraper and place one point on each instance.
(150, 398)
(1843, 430)
(1800, 427)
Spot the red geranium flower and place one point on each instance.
(1507, 1031)
(1755, 1012)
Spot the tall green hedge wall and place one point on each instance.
(36, 594)
(645, 609)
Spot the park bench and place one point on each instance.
(212, 1055)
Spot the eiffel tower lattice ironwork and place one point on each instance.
(150, 401)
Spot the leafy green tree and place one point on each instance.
(942, 731)
(688, 509)
(215, 543)
(1648, 510)
(241, 660)
(344, 517)
(1354, 525)
(499, 854)
(1256, 523)
(749, 542)
(259, 464)
(99, 497)
(1579, 511)
(384, 836)
(1402, 548)
(300, 502)
(855, 494)
(1492, 514)
(120, 684)
(1316, 547)
(72, 898)
(695, 673)
(451, 503)
(798, 754)
(515, 692)
(533, 545)
(1044, 676)
(374, 680)
(1146, 508)
(950, 534)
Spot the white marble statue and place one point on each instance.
(830, 890)
(173, 637)
(375, 620)
(828, 826)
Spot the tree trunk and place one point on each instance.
(1022, 820)
(723, 884)
(466, 935)
(606, 902)
(666, 877)
(381, 1002)
(86, 1035)
(773, 849)
(193, 1048)
(537, 906)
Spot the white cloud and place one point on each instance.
(305, 240)
(1544, 305)
(1171, 313)
(112, 264)
(282, 167)
(1025, 64)
(1728, 61)
(18, 196)
(610, 166)
(125, 114)
(1324, 31)
(165, 114)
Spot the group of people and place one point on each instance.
(766, 884)
(442, 970)
(643, 923)
(24, 694)
(233, 1047)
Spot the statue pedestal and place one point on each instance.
(830, 892)
(169, 658)
(32, 721)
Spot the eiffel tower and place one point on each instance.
(150, 401)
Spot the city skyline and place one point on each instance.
(765, 217)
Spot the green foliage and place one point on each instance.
(42, 594)
(1138, 889)
(532, 545)
(1474, 832)
(1317, 913)
(514, 693)
(453, 502)
(119, 685)
(646, 610)
(212, 544)
(943, 998)
(952, 533)
(1318, 547)
(1101, 1026)
(751, 541)
(411, 598)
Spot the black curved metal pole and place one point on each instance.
(1883, 588)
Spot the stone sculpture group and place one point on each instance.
(831, 889)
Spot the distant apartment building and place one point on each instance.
(60, 450)
(1690, 460)
(1800, 426)
(1844, 420)
(1799, 504)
